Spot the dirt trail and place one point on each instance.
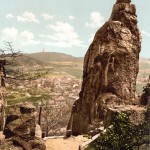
(71, 143)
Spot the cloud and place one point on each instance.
(9, 34)
(64, 36)
(27, 17)
(145, 33)
(9, 16)
(96, 20)
(23, 38)
(71, 17)
(27, 38)
(47, 16)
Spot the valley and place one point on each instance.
(58, 89)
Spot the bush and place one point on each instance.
(123, 135)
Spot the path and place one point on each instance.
(71, 143)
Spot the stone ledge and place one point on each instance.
(137, 114)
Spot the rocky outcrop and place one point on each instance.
(2, 109)
(137, 115)
(110, 70)
(144, 147)
(21, 129)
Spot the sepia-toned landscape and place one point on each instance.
(52, 100)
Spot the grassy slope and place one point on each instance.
(63, 64)
(20, 96)
(28, 61)
(60, 64)
(54, 57)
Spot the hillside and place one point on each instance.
(144, 69)
(72, 65)
(27, 61)
(54, 57)
(144, 73)
(60, 64)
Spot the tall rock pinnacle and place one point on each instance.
(110, 70)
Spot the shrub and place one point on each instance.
(123, 135)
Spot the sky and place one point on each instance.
(65, 26)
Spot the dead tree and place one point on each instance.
(7, 56)
(10, 72)
(53, 119)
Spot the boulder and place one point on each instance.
(137, 114)
(144, 147)
(21, 130)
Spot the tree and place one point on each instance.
(10, 72)
(53, 118)
(146, 94)
(7, 59)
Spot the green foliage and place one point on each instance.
(71, 68)
(33, 99)
(11, 96)
(123, 135)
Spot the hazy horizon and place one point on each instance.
(67, 54)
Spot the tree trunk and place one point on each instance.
(40, 112)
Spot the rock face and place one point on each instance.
(137, 114)
(144, 147)
(110, 70)
(2, 104)
(20, 130)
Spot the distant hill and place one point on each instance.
(47, 58)
(28, 61)
(54, 57)
(63, 64)
(144, 68)
(144, 59)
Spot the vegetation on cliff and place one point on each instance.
(122, 135)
